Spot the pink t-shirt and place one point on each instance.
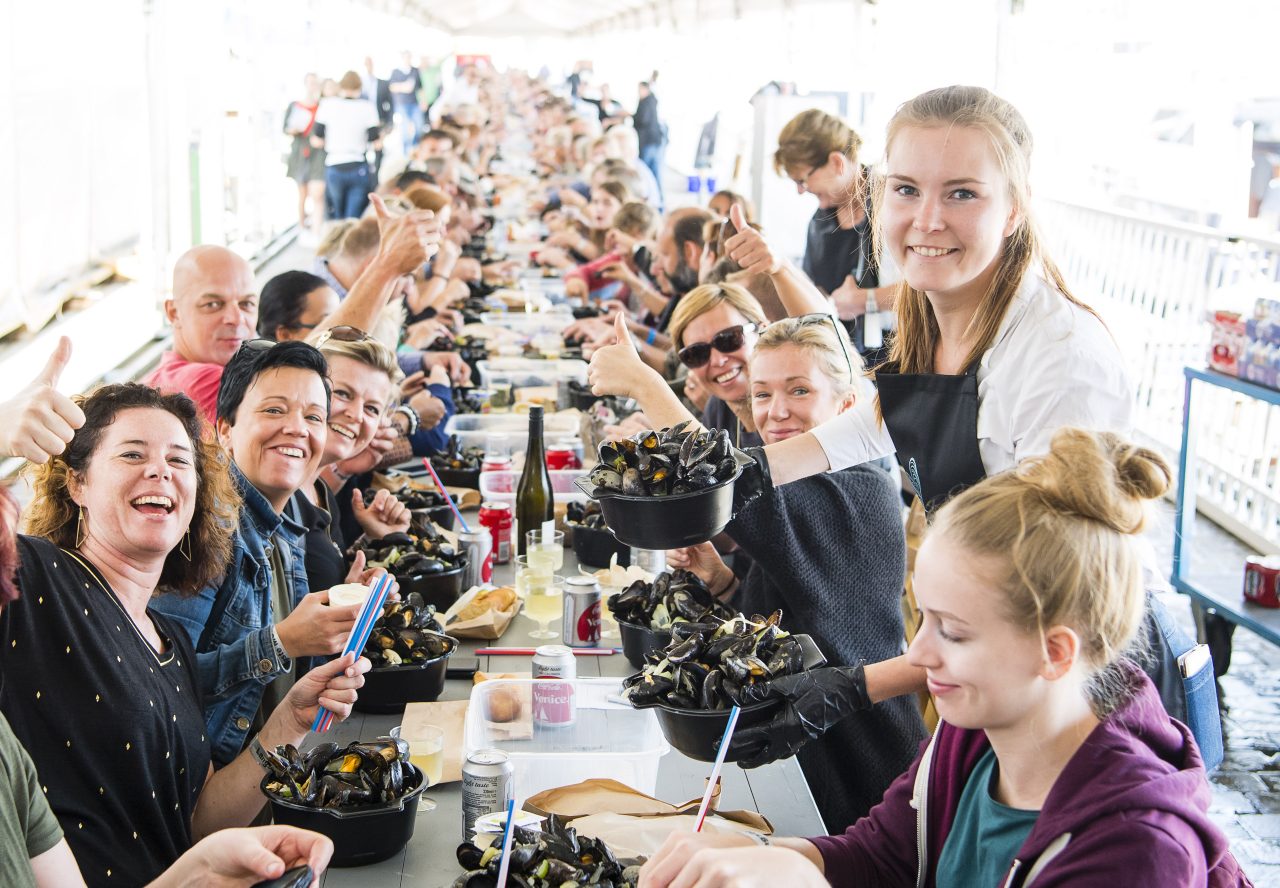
(196, 380)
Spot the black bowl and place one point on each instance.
(639, 641)
(695, 732)
(468, 478)
(441, 515)
(595, 548)
(441, 589)
(666, 522)
(360, 835)
(390, 688)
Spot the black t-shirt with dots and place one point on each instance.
(116, 729)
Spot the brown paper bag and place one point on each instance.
(448, 716)
(489, 625)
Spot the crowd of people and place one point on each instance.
(1001, 704)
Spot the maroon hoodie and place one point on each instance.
(1130, 808)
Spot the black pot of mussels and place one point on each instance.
(665, 489)
(426, 564)
(364, 796)
(694, 682)
(410, 654)
(458, 466)
(423, 505)
(647, 612)
(553, 857)
(593, 543)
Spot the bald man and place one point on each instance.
(213, 310)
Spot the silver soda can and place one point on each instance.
(554, 671)
(478, 545)
(487, 785)
(581, 621)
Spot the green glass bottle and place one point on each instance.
(535, 501)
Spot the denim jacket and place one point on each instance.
(230, 622)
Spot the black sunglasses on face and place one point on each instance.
(728, 340)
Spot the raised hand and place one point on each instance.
(748, 247)
(616, 369)
(39, 422)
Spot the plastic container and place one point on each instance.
(529, 323)
(525, 372)
(607, 739)
(474, 429)
(501, 486)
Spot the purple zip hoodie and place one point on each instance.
(1130, 808)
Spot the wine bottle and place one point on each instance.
(535, 502)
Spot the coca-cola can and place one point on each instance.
(498, 519)
(561, 455)
(581, 612)
(478, 544)
(1262, 580)
(554, 670)
(487, 785)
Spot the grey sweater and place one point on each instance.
(829, 550)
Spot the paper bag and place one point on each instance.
(448, 716)
(490, 624)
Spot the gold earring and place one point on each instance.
(186, 540)
(80, 528)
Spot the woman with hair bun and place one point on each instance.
(1054, 763)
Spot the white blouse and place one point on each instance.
(1052, 365)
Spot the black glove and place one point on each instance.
(813, 702)
(755, 479)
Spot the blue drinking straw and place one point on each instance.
(448, 499)
(506, 844)
(358, 637)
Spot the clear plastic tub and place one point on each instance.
(607, 739)
(523, 372)
(529, 323)
(501, 486)
(473, 429)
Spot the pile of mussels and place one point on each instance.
(707, 665)
(407, 633)
(457, 458)
(365, 773)
(675, 598)
(409, 555)
(554, 857)
(672, 461)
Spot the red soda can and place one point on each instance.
(496, 464)
(561, 455)
(1262, 580)
(581, 612)
(497, 517)
(554, 669)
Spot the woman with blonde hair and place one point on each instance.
(1054, 763)
(802, 374)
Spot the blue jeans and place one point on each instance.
(347, 185)
(652, 157)
(411, 121)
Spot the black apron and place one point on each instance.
(933, 419)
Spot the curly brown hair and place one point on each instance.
(53, 513)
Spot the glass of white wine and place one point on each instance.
(544, 602)
(546, 552)
(426, 751)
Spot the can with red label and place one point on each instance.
(581, 611)
(496, 464)
(1261, 580)
(478, 544)
(497, 518)
(554, 671)
(561, 455)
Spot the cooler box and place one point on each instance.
(607, 739)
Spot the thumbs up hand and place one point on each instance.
(40, 421)
(617, 369)
(748, 247)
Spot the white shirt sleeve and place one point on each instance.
(855, 436)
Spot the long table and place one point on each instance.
(778, 791)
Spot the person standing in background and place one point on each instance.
(404, 83)
(378, 91)
(431, 76)
(306, 163)
(347, 126)
(651, 132)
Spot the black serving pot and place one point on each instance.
(391, 688)
(468, 478)
(360, 835)
(695, 732)
(441, 589)
(595, 547)
(640, 641)
(441, 515)
(665, 522)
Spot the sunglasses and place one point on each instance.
(342, 333)
(822, 317)
(728, 340)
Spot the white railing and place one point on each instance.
(1153, 283)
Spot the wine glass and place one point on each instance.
(543, 551)
(544, 602)
(426, 750)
